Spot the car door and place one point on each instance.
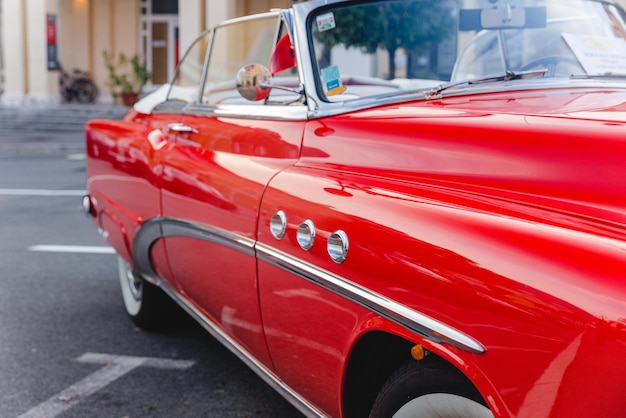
(150, 130)
(214, 177)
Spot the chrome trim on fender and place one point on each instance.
(160, 227)
(412, 320)
(156, 228)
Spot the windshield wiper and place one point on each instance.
(435, 92)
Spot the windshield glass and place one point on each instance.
(379, 47)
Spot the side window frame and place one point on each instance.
(208, 91)
(217, 91)
(196, 97)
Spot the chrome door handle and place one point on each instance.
(181, 127)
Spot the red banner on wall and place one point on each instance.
(51, 40)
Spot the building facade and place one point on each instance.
(35, 35)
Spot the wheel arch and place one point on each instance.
(374, 358)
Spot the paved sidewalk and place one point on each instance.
(46, 129)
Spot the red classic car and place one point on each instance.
(389, 208)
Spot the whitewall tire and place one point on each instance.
(145, 303)
(430, 388)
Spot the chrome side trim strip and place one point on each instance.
(412, 320)
(160, 227)
(259, 368)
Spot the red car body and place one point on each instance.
(487, 229)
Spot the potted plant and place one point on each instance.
(127, 76)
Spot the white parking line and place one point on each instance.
(78, 156)
(114, 368)
(41, 192)
(82, 249)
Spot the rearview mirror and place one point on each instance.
(506, 17)
(503, 18)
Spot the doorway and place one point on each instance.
(159, 39)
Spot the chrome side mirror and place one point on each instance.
(254, 82)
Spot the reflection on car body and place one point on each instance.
(388, 208)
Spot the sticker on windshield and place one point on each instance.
(332, 81)
(325, 22)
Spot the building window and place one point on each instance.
(167, 7)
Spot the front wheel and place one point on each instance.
(145, 303)
(426, 389)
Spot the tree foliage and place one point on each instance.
(390, 25)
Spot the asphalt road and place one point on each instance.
(67, 348)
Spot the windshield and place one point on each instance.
(379, 47)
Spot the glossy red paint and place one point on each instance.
(516, 155)
(123, 174)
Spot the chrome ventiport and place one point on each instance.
(338, 246)
(306, 235)
(278, 224)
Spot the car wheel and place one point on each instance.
(145, 303)
(428, 390)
